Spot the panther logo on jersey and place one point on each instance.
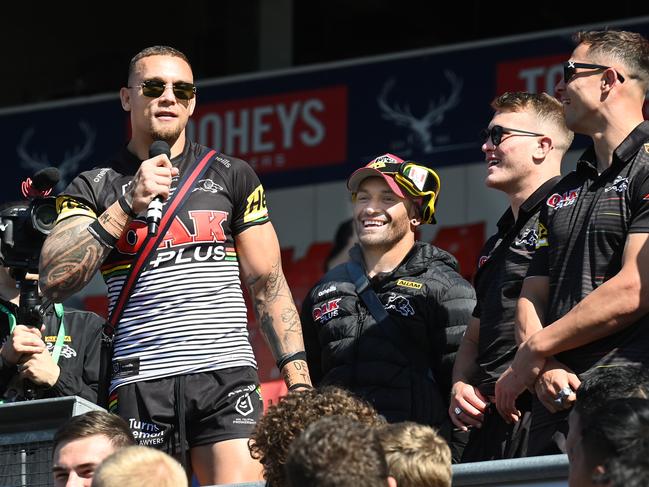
(400, 304)
(620, 185)
(208, 186)
(528, 240)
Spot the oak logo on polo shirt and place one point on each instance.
(568, 198)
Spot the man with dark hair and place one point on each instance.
(599, 387)
(83, 442)
(614, 446)
(605, 383)
(523, 146)
(337, 451)
(585, 300)
(184, 372)
(386, 324)
(61, 358)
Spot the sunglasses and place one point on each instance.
(154, 88)
(496, 133)
(420, 182)
(570, 69)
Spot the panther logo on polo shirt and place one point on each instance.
(620, 185)
(528, 239)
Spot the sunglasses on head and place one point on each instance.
(496, 132)
(154, 88)
(570, 69)
(420, 182)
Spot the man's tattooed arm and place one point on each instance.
(275, 311)
(69, 258)
(273, 303)
(75, 249)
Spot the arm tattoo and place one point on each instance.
(275, 311)
(267, 328)
(69, 259)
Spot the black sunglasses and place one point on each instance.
(570, 69)
(496, 132)
(154, 88)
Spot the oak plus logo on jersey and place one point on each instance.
(326, 311)
(206, 230)
(287, 131)
(567, 198)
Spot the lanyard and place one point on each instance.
(60, 337)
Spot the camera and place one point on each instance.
(24, 225)
(23, 229)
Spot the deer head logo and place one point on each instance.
(68, 167)
(403, 115)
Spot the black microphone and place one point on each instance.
(41, 184)
(154, 211)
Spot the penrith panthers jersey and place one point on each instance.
(186, 314)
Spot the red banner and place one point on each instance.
(290, 131)
(539, 74)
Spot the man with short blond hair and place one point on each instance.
(523, 146)
(417, 455)
(139, 466)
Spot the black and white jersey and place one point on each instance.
(186, 314)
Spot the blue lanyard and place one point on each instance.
(60, 337)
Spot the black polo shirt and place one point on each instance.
(503, 263)
(582, 233)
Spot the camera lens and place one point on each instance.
(44, 216)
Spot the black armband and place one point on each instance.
(290, 357)
(299, 384)
(126, 208)
(101, 235)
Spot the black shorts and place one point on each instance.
(216, 406)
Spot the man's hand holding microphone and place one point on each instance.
(152, 183)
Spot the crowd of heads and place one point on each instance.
(329, 437)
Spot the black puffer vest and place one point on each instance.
(431, 305)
